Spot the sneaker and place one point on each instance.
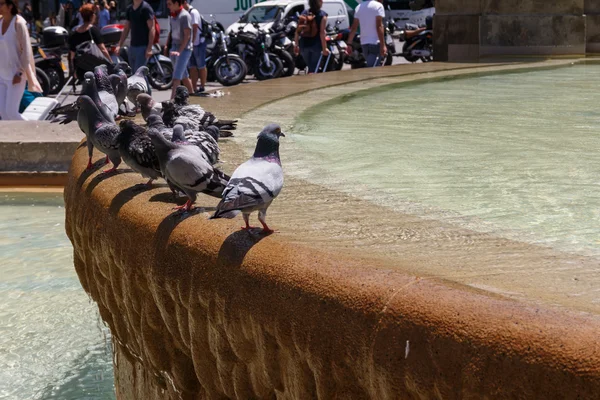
(199, 92)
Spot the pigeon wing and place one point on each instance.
(106, 136)
(187, 168)
(143, 152)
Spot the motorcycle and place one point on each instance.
(160, 75)
(48, 57)
(228, 69)
(254, 48)
(418, 43)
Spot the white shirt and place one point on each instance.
(9, 54)
(196, 20)
(367, 13)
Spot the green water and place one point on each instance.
(53, 344)
(511, 154)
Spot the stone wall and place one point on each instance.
(201, 310)
(467, 30)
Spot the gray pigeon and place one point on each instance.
(204, 141)
(186, 169)
(148, 105)
(137, 84)
(255, 183)
(101, 133)
(105, 90)
(119, 84)
(192, 116)
(136, 149)
(70, 112)
(155, 121)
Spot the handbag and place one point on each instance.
(90, 47)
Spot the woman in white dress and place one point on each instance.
(16, 61)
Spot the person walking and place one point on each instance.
(307, 42)
(198, 59)
(180, 41)
(103, 15)
(113, 12)
(84, 33)
(16, 61)
(140, 21)
(369, 15)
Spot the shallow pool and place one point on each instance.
(53, 344)
(515, 155)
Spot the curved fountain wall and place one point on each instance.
(199, 309)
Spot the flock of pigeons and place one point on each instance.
(179, 144)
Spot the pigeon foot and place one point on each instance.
(89, 165)
(186, 207)
(248, 228)
(110, 170)
(107, 160)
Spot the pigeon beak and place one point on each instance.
(282, 134)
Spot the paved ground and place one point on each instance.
(212, 86)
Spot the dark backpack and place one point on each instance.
(206, 28)
(307, 25)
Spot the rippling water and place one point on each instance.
(53, 344)
(511, 154)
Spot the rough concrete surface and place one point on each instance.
(199, 309)
(37, 145)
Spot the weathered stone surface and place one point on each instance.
(457, 7)
(456, 30)
(529, 7)
(37, 145)
(593, 34)
(199, 309)
(591, 7)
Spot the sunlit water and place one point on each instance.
(515, 155)
(53, 344)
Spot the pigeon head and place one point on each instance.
(88, 77)
(86, 104)
(154, 120)
(115, 80)
(178, 134)
(142, 71)
(100, 70)
(161, 144)
(181, 96)
(128, 128)
(214, 132)
(167, 106)
(145, 100)
(268, 141)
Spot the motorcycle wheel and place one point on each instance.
(230, 71)
(157, 80)
(44, 81)
(289, 65)
(57, 78)
(262, 72)
(405, 51)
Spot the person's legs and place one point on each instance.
(10, 99)
(137, 57)
(180, 71)
(311, 57)
(193, 67)
(202, 65)
(371, 54)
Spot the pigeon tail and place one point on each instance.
(217, 184)
(225, 214)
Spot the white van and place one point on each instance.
(264, 13)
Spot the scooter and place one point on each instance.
(418, 43)
(226, 68)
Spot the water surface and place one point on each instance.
(53, 344)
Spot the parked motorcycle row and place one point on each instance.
(257, 52)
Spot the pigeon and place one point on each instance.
(136, 149)
(119, 84)
(105, 90)
(147, 105)
(70, 112)
(186, 169)
(191, 116)
(137, 84)
(203, 140)
(101, 133)
(155, 121)
(255, 183)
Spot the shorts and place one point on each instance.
(180, 63)
(198, 58)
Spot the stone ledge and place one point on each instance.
(199, 309)
(37, 145)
